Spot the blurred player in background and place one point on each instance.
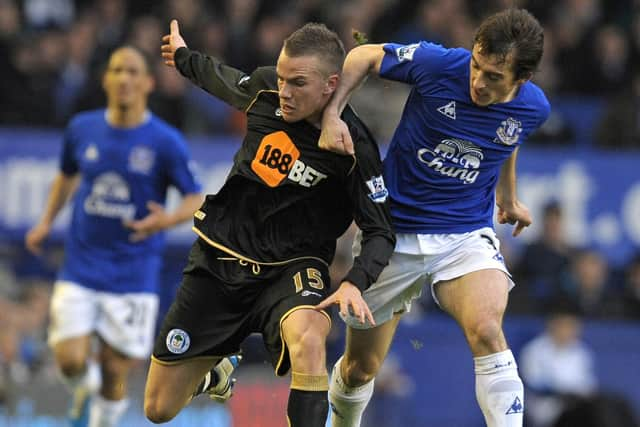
(452, 157)
(118, 164)
(266, 239)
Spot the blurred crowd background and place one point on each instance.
(53, 52)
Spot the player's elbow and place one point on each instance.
(369, 55)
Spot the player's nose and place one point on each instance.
(477, 83)
(284, 92)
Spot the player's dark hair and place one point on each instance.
(316, 39)
(512, 33)
(148, 62)
(552, 207)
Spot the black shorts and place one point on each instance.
(222, 300)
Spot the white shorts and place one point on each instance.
(124, 321)
(427, 258)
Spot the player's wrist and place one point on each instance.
(45, 225)
(506, 202)
(357, 278)
(330, 113)
(181, 53)
(170, 221)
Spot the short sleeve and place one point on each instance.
(412, 63)
(68, 162)
(180, 167)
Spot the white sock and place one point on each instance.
(347, 403)
(499, 389)
(106, 413)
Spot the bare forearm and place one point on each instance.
(190, 204)
(359, 63)
(506, 188)
(62, 188)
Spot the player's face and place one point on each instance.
(491, 81)
(127, 81)
(304, 87)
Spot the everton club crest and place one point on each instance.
(509, 131)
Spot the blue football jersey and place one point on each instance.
(121, 170)
(444, 159)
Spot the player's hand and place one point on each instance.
(517, 214)
(157, 220)
(335, 135)
(172, 42)
(35, 237)
(349, 298)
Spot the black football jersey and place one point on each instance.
(285, 199)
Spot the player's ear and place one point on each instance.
(332, 84)
(104, 79)
(151, 83)
(525, 78)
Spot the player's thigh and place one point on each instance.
(210, 315)
(290, 293)
(71, 354)
(73, 312)
(170, 385)
(305, 333)
(127, 322)
(399, 283)
(469, 278)
(114, 363)
(305, 321)
(475, 297)
(204, 321)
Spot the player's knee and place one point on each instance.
(484, 333)
(309, 345)
(360, 372)
(72, 366)
(156, 410)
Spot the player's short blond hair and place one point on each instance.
(316, 39)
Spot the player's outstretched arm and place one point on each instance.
(226, 83)
(359, 63)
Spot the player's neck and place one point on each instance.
(315, 119)
(127, 117)
(513, 94)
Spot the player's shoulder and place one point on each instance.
(261, 79)
(535, 94)
(164, 132)
(536, 99)
(266, 76)
(89, 118)
(449, 53)
(161, 126)
(423, 49)
(431, 57)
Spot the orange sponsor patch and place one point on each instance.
(274, 158)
